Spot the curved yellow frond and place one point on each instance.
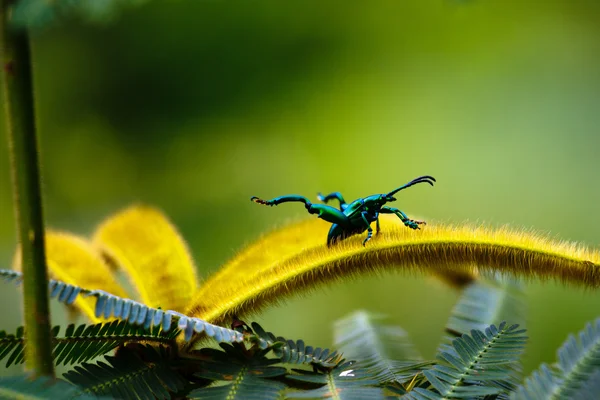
(277, 265)
(143, 242)
(73, 260)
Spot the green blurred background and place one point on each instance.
(194, 106)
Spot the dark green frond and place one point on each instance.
(578, 359)
(361, 336)
(477, 360)
(297, 352)
(422, 394)
(248, 373)
(43, 388)
(143, 372)
(247, 389)
(135, 313)
(11, 346)
(85, 342)
(343, 382)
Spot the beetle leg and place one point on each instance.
(333, 196)
(369, 229)
(325, 212)
(413, 224)
(281, 199)
(378, 228)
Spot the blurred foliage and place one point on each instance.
(197, 105)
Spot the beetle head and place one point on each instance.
(375, 201)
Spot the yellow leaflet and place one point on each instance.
(263, 275)
(73, 260)
(143, 242)
(268, 251)
(287, 242)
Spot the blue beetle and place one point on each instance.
(355, 217)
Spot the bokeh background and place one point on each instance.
(194, 106)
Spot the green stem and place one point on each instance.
(20, 118)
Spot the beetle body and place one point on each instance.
(355, 217)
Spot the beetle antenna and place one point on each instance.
(425, 178)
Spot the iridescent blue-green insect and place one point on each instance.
(353, 218)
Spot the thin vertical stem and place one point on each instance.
(20, 119)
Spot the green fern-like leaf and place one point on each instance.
(11, 346)
(476, 360)
(294, 352)
(43, 388)
(486, 302)
(247, 373)
(538, 386)
(589, 388)
(422, 394)
(377, 347)
(578, 361)
(343, 382)
(143, 372)
(135, 313)
(85, 342)
(483, 303)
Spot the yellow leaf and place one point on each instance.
(295, 258)
(145, 244)
(73, 260)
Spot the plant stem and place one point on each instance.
(20, 118)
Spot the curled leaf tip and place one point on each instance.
(295, 258)
(142, 241)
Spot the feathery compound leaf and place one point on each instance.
(589, 388)
(246, 286)
(143, 242)
(466, 370)
(12, 346)
(361, 336)
(578, 361)
(43, 388)
(141, 373)
(538, 386)
(135, 313)
(85, 342)
(483, 303)
(91, 341)
(243, 388)
(248, 373)
(75, 262)
(422, 394)
(486, 302)
(290, 352)
(343, 382)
